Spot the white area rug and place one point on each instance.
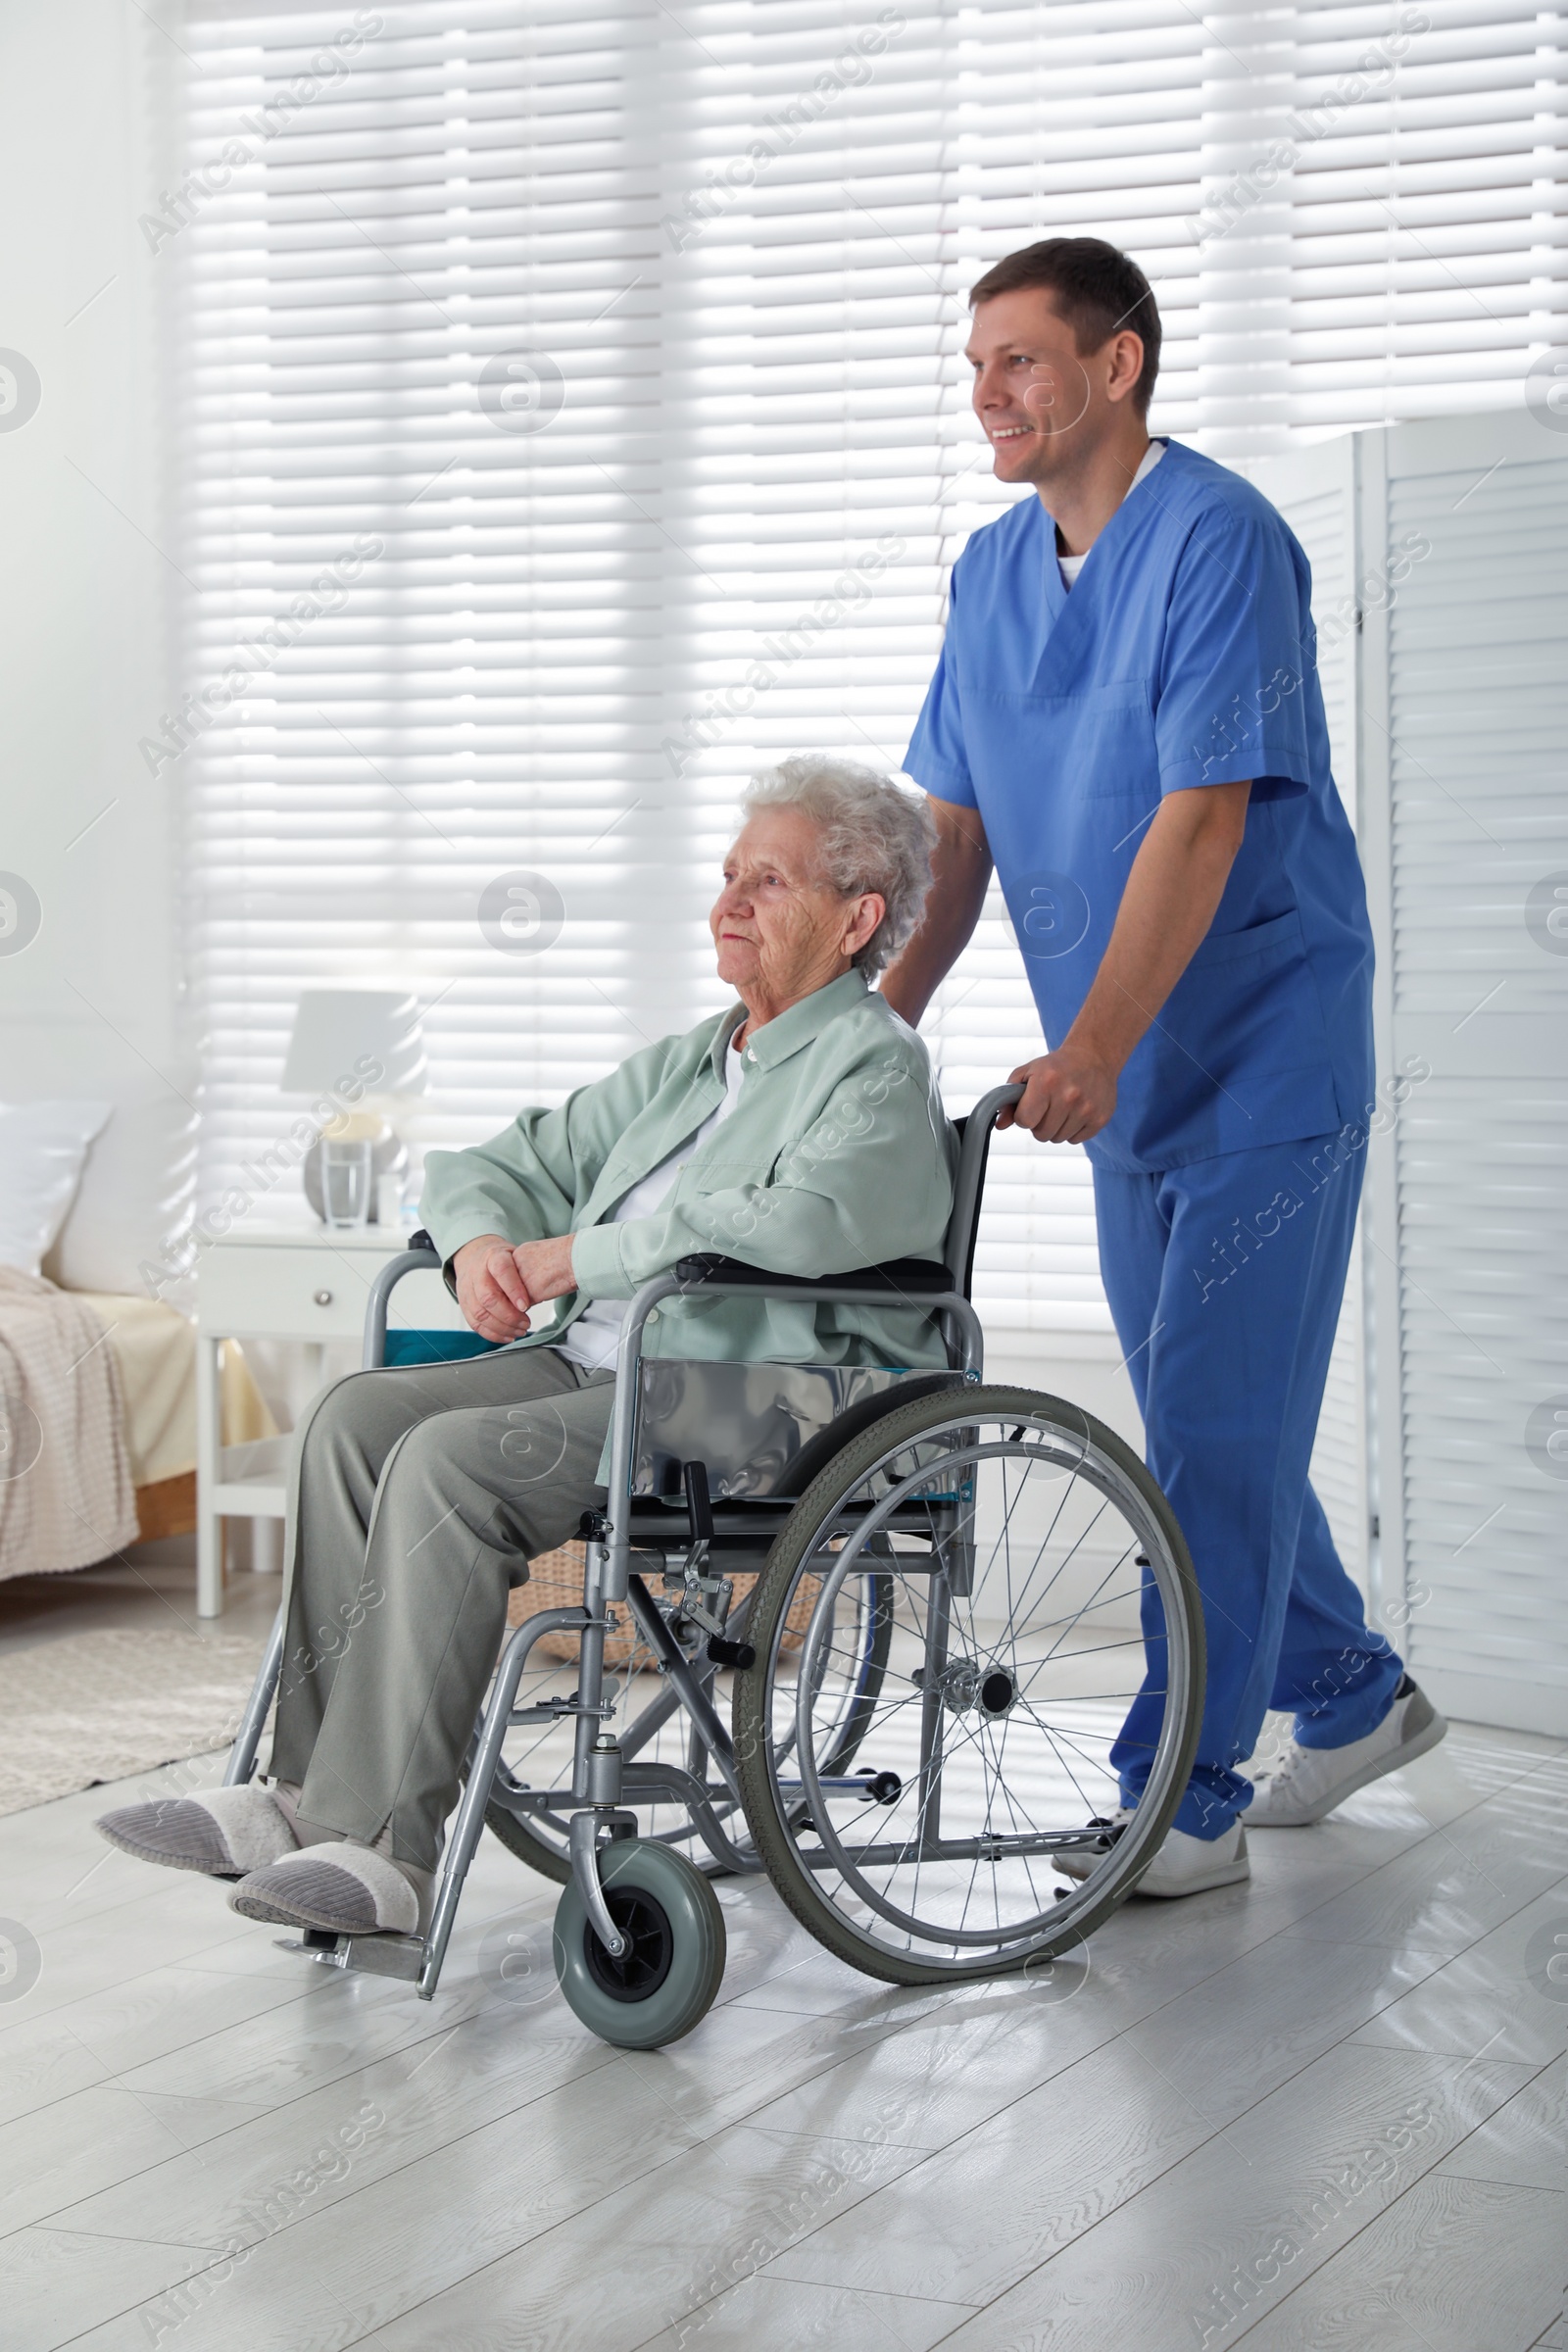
(92, 1707)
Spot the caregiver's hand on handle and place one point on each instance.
(499, 1283)
(1068, 1095)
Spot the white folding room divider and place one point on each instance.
(1464, 726)
(1441, 593)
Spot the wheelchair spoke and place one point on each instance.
(1067, 1562)
(1096, 1601)
(1016, 1601)
(1128, 1640)
(1090, 1804)
(1013, 1815)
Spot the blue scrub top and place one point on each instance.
(1185, 655)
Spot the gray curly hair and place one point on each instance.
(874, 836)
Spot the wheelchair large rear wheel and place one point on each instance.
(1038, 1586)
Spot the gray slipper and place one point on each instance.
(342, 1889)
(225, 1833)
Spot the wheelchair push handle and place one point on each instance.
(970, 1181)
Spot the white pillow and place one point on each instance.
(42, 1148)
(132, 1214)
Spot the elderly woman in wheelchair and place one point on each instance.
(759, 1405)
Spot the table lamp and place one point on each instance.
(365, 1039)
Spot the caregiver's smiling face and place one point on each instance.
(1041, 405)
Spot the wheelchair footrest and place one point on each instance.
(377, 1955)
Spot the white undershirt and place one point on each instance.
(1072, 566)
(594, 1338)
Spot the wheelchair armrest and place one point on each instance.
(901, 1278)
(420, 1254)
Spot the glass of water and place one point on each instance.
(346, 1181)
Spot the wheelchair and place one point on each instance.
(928, 1603)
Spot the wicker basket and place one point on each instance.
(554, 1581)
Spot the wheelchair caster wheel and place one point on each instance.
(664, 1983)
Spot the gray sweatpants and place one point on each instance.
(416, 1495)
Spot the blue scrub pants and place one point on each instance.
(1225, 1279)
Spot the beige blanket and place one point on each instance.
(154, 1347)
(66, 1495)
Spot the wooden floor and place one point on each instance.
(1324, 2110)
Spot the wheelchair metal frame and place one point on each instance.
(604, 1774)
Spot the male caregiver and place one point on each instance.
(1126, 722)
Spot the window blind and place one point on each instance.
(632, 347)
(423, 333)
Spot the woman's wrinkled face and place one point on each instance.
(781, 931)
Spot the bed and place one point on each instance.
(97, 1373)
(155, 1350)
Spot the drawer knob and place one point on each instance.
(323, 1298)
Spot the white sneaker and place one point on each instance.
(1184, 1865)
(1077, 1861)
(1312, 1781)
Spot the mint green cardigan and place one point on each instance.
(838, 1155)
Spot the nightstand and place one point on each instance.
(287, 1280)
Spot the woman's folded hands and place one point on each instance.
(499, 1283)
